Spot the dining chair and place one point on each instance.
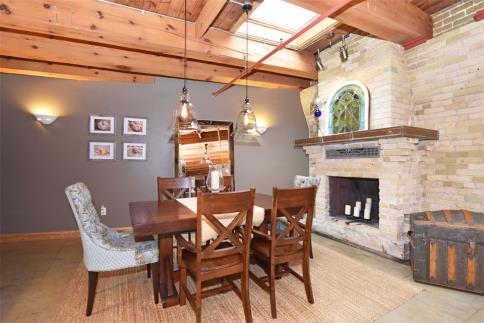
(172, 188)
(228, 183)
(307, 181)
(221, 218)
(292, 244)
(106, 249)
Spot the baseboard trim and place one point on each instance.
(51, 235)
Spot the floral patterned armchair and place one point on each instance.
(106, 249)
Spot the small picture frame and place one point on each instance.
(99, 150)
(134, 126)
(134, 151)
(101, 124)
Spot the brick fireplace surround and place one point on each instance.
(398, 171)
(436, 85)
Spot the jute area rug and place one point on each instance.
(344, 291)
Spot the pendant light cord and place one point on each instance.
(247, 55)
(185, 51)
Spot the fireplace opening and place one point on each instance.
(348, 191)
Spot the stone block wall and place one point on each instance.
(446, 76)
(380, 65)
(437, 85)
(457, 15)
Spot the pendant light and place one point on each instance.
(246, 122)
(184, 115)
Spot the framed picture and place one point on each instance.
(101, 124)
(134, 151)
(134, 126)
(101, 150)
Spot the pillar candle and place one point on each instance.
(348, 209)
(367, 213)
(356, 212)
(215, 180)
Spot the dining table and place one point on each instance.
(164, 219)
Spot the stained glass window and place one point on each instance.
(348, 109)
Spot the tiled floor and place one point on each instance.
(34, 275)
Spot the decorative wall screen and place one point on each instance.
(348, 109)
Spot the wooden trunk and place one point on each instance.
(447, 249)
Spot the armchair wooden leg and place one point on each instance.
(198, 300)
(245, 296)
(307, 279)
(148, 270)
(183, 278)
(272, 290)
(93, 275)
(155, 269)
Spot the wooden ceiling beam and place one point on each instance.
(50, 49)
(210, 11)
(114, 25)
(243, 18)
(10, 65)
(395, 20)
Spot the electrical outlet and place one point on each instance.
(104, 211)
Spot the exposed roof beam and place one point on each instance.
(210, 11)
(62, 51)
(395, 20)
(105, 23)
(243, 18)
(25, 67)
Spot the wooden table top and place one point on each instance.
(170, 216)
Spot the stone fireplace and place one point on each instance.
(393, 178)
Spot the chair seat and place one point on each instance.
(262, 247)
(208, 265)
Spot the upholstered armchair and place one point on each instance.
(307, 181)
(106, 249)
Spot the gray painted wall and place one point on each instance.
(38, 162)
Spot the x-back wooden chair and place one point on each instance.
(229, 183)
(293, 243)
(226, 255)
(174, 188)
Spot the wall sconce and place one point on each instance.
(261, 126)
(45, 119)
(262, 129)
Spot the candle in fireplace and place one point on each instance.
(356, 211)
(367, 212)
(347, 209)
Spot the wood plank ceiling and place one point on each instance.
(108, 40)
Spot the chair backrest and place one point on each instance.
(294, 204)
(228, 183)
(241, 206)
(173, 188)
(85, 213)
(306, 181)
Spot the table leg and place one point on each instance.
(168, 292)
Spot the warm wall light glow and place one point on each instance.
(262, 125)
(44, 112)
(45, 119)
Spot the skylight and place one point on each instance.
(274, 21)
(282, 14)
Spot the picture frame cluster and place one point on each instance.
(106, 150)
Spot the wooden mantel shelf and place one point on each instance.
(391, 132)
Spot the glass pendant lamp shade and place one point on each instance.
(206, 159)
(215, 178)
(184, 115)
(246, 122)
